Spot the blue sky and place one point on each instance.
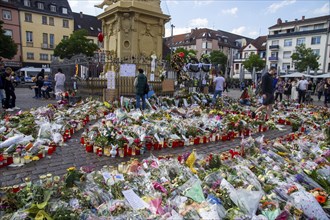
(249, 18)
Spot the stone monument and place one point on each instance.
(133, 28)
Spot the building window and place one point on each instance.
(51, 41)
(30, 56)
(318, 26)
(40, 5)
(246, 55)
(6, 15)
(275, 42)
(51, 21)
(316, 52)
(274, 54)
(79, 26)
(236, 66)
(305, 28)
(29, 36)
(28, 17)
(64, 11)
(44, 56)
(287, 54)
(9, 33)
(288, 42)
(44, 19)
(286, 66)
(45, 38)
(316, 40)
(65, 37)
(65, 23)
(300, 41)
(27, 3)
(53, 8)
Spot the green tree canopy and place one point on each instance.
(254, 60)
(217, 57)
(76, 44)
(304, 58)
(8, 48)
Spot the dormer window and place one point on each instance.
(92, 28)
(40, 5)
(79, 26)
(27, 3)
(98, 29)
(64, 11)
(53, 8)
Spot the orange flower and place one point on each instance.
(321, 199)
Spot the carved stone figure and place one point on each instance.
(106, 2)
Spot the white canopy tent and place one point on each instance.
(297, 75)
(326, 75)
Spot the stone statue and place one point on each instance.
(106, 2)
(153, 62)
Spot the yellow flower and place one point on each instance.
(35, 158)
(71, 169)
(27, 157)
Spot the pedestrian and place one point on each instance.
(327, 92)
(302, 89)
(320, 89)
(2, 91)
(220, 83)
(40, 82)
(59, 83)
(9, 91)
(279, 89)
(294, 92)
(46, 88)
(267, 93)
(140, 84)
(245, 97)
(288, 89)
(225, 89)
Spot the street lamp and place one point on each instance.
(172, 27)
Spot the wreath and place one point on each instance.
(206, 63)
(193, 64)
(177, 61)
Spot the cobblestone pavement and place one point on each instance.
(73, 154)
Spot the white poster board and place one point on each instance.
(111, 79)
(127, 70)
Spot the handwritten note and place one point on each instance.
(134, 200)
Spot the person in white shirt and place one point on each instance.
(59, 83)
(302, 88)
(219, 82)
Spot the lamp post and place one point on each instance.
(172, 27)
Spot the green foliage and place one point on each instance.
(254, 60)
(8, 48)
(215, 161)
(304, 58)
(186, 52)
(76, 44)
(217, 57)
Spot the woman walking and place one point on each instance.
(288, 89)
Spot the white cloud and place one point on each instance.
(202, 2)
(239, 30)
(253, 34)
(199, 22)
(177, 31)
(276, 6)
(230, 11)
(323, 10)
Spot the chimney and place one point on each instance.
(303, 18)
(279, 21)
(296, 19)
(81, 15)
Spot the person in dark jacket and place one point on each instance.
(40, 82)
(9, 91)
(140, 84)
(267, 93)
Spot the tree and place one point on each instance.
(304, 58)
(254, 61)
(76, 44)
(8, 48)
(217, 57)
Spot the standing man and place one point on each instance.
(302, 89)
(140, 84)
(267, 93)
(10, 91)
(2, 78)
(219, 82)
(59, 83)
